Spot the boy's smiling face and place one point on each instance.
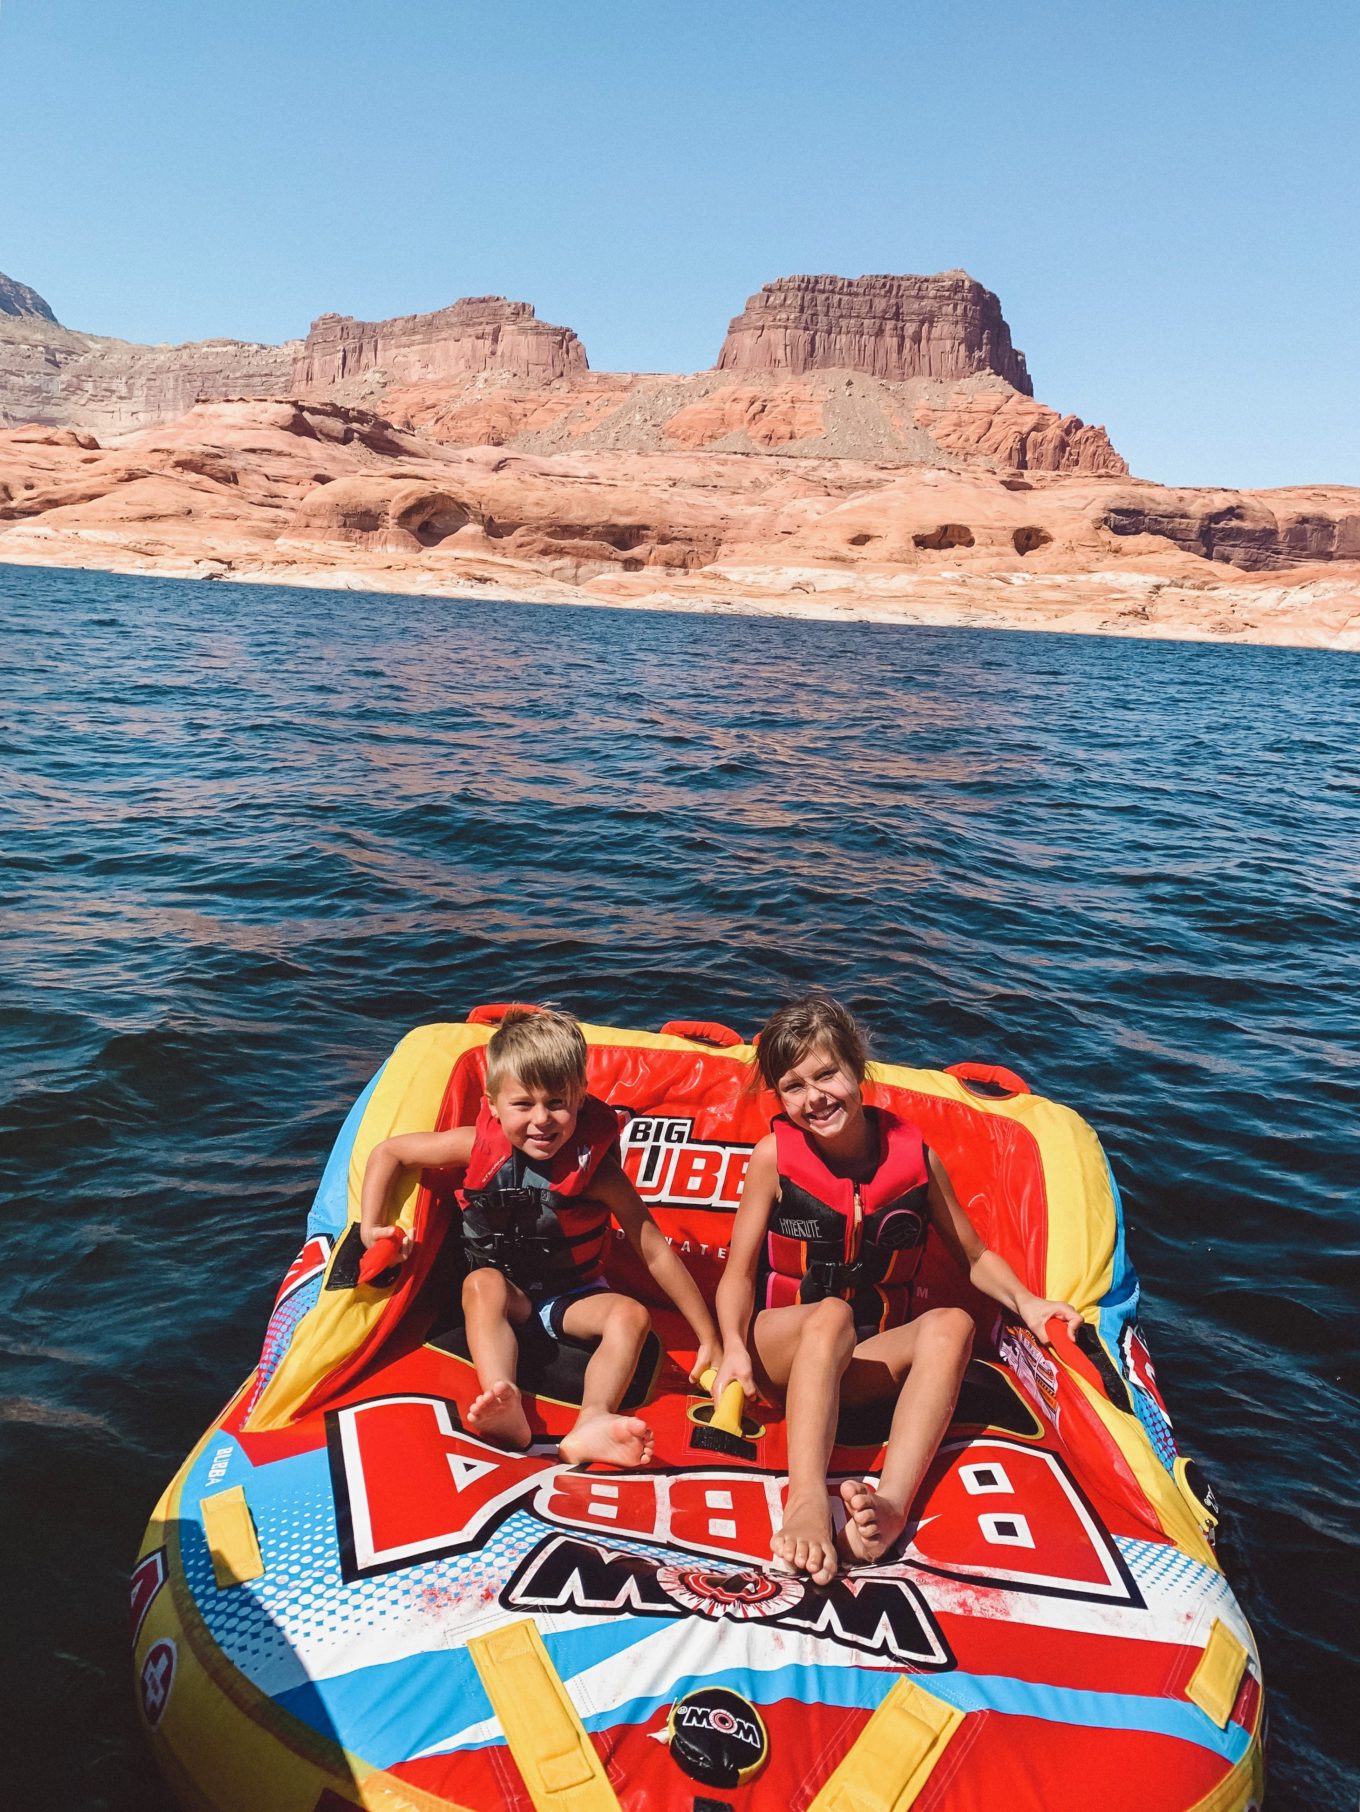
(536, 1121)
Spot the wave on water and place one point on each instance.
(254, 834)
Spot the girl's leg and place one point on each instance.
(803, 1352)
(621, 1325)
(492, 1308)
(934, 1350)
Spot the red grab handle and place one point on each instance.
(994, 1073)
(703, 1031)
(493, 1012)
(380, 1256)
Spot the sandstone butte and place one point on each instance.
(863, 448)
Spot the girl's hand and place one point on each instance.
(736, 1363)
(1037, 1313)
(710, 1353)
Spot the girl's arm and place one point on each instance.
(987, 1270)
(737, 1290)
(666, 1266)
(430, 1150)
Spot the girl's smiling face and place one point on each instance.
(821, 1095)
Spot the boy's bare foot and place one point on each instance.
(614, 1440)
(498, 1415)
(805, 1544)
(872, 1525)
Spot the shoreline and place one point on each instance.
(1320, 611)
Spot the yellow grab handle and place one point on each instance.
(727, 1415)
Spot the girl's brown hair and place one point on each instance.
(792, 1031)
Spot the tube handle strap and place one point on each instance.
(894, 1755)
(561, 1769)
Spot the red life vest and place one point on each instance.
(862, 1240)
(537, 1224)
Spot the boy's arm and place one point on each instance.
(987, 1270)
(737, 1288)
(430, 1150)
(668, 1269)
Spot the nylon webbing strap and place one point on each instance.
(547, 1739)
(894, 1755)
(232, 1541)
(1218, 1674)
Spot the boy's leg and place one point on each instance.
(621, 1325)
(803, 1351)
(492, 1308)
(934, 1350)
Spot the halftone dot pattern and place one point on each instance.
(302, 1619)
(283, 1324)
(1157, 1424)
(1162, 1570)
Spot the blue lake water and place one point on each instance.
(253, 834)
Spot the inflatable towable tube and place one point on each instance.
(345, 1600)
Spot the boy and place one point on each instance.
(542, 1180)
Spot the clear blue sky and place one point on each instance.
(1162, 192)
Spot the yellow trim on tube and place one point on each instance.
(406, 1099)
(1243, 1790)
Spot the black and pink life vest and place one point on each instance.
(861, 1239)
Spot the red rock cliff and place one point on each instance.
(947, 326)
(478, 333)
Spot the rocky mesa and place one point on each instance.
(906, 370)
(476, 335)
(865, 447)
(945, 327)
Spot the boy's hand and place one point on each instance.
(1037, 1314)
(397, 1238)
(736, 1363)
(710, 1353)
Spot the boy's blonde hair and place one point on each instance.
(544, 1048)
(790, 1033)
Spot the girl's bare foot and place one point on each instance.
(805, 1544)
(498, 1415)
(614, 1440)
(873, 1526)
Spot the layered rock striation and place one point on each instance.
(477, 334)
(111, 387)
(944, 327)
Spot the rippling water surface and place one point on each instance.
(254, 834)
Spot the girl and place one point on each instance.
(835, 1209)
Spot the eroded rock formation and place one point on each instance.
(477, 334)
(947, 326)
(1017, 433)
(50, 374)
(19, 300)
(324, 494)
